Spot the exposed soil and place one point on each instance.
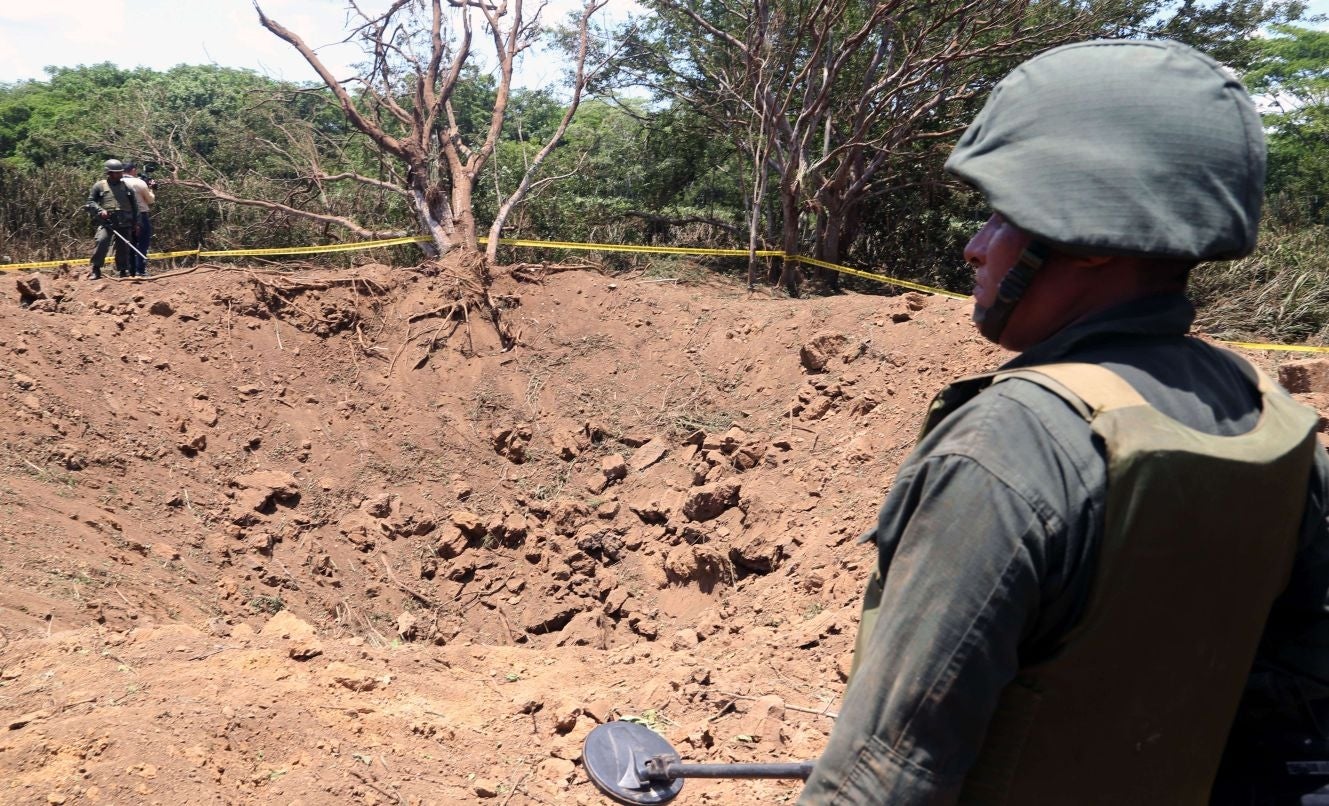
(312, 538)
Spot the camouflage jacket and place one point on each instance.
(117, 198)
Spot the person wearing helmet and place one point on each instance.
(1107, 561)
(114, 210)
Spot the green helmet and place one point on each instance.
(1121, 147)
(114, 165)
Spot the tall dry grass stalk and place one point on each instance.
(1279, 294)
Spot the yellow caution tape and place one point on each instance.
(654, 250)
(83, 261)
(1291, 348)
(881, 278)
(592, 247)
(288, 250)
(45, 264)
(312, 250)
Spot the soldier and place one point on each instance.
(1103, 555)
(112, 206)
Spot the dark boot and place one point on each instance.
(96, 273)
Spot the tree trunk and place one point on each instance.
(464, 216)
(432, 211)
(828, 245)
(789, 274)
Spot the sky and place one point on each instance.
(163, 33)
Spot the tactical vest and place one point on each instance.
(115, 199)
(1135, 705)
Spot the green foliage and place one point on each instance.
(1291, 73)
(1228, 31)
(66, 119)
(627, 173)
(224, 126)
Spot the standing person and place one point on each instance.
(1094, 553)
(144, 196)
(112, 206)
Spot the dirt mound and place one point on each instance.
(317, 538)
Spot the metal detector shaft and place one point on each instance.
(634, 765)
(127, 243)
(670, 769)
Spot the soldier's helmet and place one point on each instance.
(114, 165)
(1118, 147)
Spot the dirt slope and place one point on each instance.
(302, 538)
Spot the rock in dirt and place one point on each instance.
(614, 468)
(267, 486)
(814, 630)
(650, 453)
(700, 564)
(650, 510)
(549, 616)
(758, 550)
(685, 640)
(205, 412)
(161, 308)
(511, 443)
(763, 720)
(30, 290)
(349, 677)
(816, 354)
(1303, 377)
(585, 629)
(468, 522)
(362, 529)
(710, 501)
(616, 600)
(378, 506)
(451, 542)
(566, 516)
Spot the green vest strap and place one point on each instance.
(1090, 388)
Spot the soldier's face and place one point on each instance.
(114, 176)
(992, 252)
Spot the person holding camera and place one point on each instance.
(145, 196)
(112, 206)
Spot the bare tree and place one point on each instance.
(402, 99)
(580, 77)
(842, 100)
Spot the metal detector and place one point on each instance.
(127, 243)
(633, 764)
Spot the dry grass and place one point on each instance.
(1279, 294)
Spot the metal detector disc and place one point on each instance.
(615, 754)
